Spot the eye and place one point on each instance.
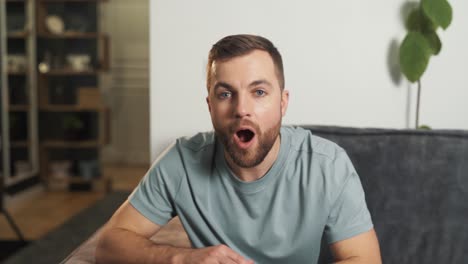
(259, 92)
(224, 95)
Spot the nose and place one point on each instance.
(243, 106)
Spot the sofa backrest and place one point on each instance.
(416, 185)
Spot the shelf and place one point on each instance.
(19, 144)
(67, 1)
(19, 108)
(70, 108)
(19, 73)
(71, 144)
(69, 72)
(18, 35)
(72, 35)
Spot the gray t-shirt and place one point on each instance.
(311, 189)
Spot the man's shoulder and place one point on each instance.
(184, 147)
(186, 153)
(305, 142)
(197, 142)
(197, 149)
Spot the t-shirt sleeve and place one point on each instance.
(155, 194)
(349, 215)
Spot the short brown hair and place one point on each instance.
(238, 45)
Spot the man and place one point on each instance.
(252, 191)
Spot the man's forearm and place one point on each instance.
(123, 246)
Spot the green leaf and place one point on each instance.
(434, 42)
(418, 21)
(439, 11)
(413, 22)
(426, 23)
(415, 52)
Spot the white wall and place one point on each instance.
(337, 57)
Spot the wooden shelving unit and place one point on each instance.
(78, 101)
(37, 121)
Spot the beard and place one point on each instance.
(253, 156)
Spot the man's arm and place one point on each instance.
(125, 239)
(363, 248)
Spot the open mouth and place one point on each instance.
(245, 135)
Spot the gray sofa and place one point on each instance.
(416, 185)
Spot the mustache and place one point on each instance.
(237, 124)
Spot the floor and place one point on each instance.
(37, 212)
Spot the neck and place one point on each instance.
(257, 172)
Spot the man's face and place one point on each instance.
(246, 106)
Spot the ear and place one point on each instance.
(208, 103)
(284, 101)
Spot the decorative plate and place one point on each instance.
(55, 24)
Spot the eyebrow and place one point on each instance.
(227, 86)
(259, 82)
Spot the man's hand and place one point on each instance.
(211, 255)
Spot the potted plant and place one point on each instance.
(422, 41)
(73, 127)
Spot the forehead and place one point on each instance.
(255, 65)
